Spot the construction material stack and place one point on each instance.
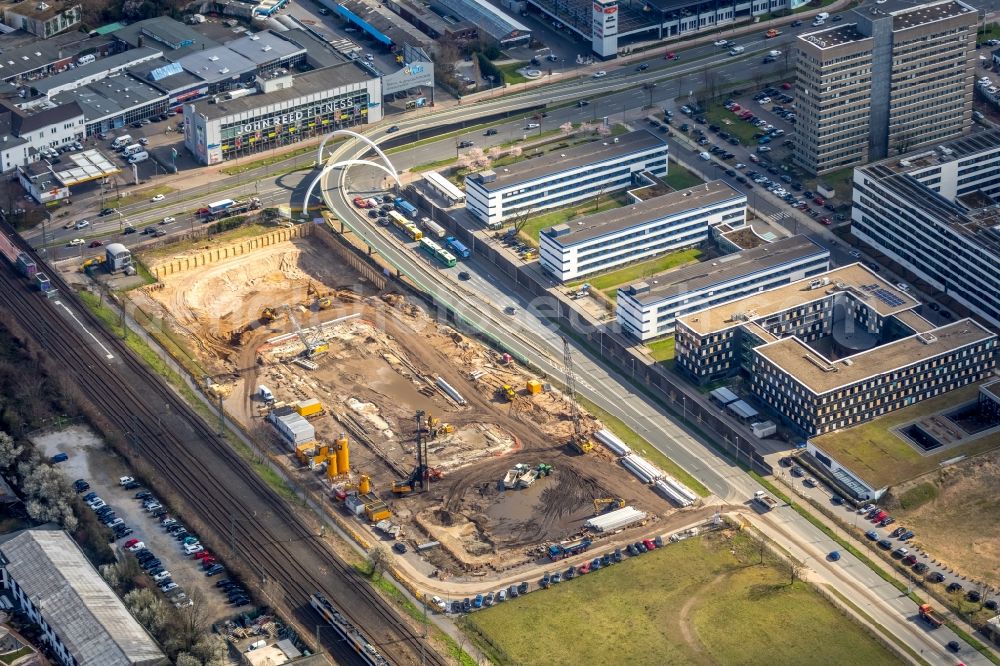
(616, 520)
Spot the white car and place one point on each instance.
(153, 507)
(75, 242)
(138, 545)
(163, 575)
(439, 603)
(902, 286)
(170, 586)
(530, 126)
(82, 224)
(811, 482)
(98, 504)
(764, 100)
(159, 197)
(168, 220)
(704, 156)
(855, 254)
(600, 75)
(722, 42)
(739, 165)
(192, 548)
(125, 480)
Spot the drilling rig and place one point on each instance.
(579, 442)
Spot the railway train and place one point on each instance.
(351, 634)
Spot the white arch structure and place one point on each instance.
(387, 167)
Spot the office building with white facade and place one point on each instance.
(561, 178)
(613, 238)
(80, 617)
(834, 350)
(649, 309)
(936, 213)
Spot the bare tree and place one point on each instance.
(603, 130)
(494, 153)
(566, 128)
(9, 451)
(148, 609)
(378, 560)
(515, 152)
(186, 659)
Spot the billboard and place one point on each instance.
(412, 75)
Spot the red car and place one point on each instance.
(648, 543)
(95, 243)
(130, 542)
(786, 86)
(827, 221)
(584, 568)
(670, 56)
(819, 201)
(736, 108)
(202, 555)
(879, 516)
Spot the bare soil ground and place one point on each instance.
(959, 525)
(385, 356)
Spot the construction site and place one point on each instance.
(419, 433)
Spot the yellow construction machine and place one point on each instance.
(267, 315)
(507, 392)
(603, 504)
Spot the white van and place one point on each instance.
(141, 156)
(131, 149)
(822, 16)
(121, 141)
(265, 393)
(705, 156)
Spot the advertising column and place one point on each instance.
(605, 29)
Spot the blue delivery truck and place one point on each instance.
(457, 247)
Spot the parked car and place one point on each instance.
(936, 577)
(885, 544)
(920, 568)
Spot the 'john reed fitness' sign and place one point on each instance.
(294, 116)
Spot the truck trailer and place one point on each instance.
(566, 549)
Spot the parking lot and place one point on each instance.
(87, 460)
(882, 532)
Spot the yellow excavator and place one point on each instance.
(602, 504)
(267, 315)
(507, 391)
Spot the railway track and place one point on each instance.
(217, 486)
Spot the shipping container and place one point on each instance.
(309, 408)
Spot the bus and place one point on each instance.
(397, 220)
(443, 256)
(408, 209)
(457, 247)
(433, 228)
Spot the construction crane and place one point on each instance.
(313, 349)
(579, 441)
(423, 473)
(603, 503)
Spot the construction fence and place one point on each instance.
(224, 252)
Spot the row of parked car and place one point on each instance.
(485, 600)
(105, 513)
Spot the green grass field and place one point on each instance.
(882, 458)
(693, 602)
(530, 231)
(680, 178)
(510, 74)
(633, 272)
(720, 115)
(662, 350)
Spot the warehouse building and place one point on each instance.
(82, 75)
(493, 22)
(834, 350)
(115, 102)
(284, 110)
(570, 176)
(935, 213)
(82, 620)
(650, 308)
(174, 38)
(620, 236)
